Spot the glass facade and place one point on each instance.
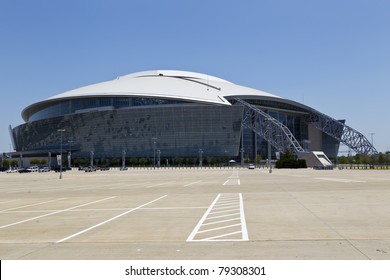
(66, 107)
(177, 131)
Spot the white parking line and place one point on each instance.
(224, 211)
(109, 220)
(197, 227)
(219, 222)
(226, 205)
(56, 212)
(158, 185)
(30, 205)
(243, 221)
(234, 180)
(190, 184)
(216, 238)
(340, 180)
(215, 224)
(223, 216)
(218, 228)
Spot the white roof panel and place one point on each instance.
(165, 84)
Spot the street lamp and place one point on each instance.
(10, 156)
(269, 144)
(158, 158)
(242, 156)
(154, 151)
(269, 156)
(70, 154)
(49, 160)
(61, 131)
(200, 158)
(123, 159)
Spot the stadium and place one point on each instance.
(163, 115)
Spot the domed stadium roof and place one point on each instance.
(165, 84)
(171, 84)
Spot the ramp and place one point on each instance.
(317, 159)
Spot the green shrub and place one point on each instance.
(288, 160)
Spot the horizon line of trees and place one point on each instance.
(381, 159)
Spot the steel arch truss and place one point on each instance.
(341, 132)
(269, 128)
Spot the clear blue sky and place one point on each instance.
(331, 55)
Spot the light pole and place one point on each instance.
(269, 145)
(10, 156)
(200, 158)
(123, 159)
(49, 160)
(92, 158)
(242, 146)
(158, 158)
(70, 154)
(61, 131)
(242, 156)
(154, 151)
(269, 157)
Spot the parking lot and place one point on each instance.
(196, 214)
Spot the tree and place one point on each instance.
(381, 158)
(81, 161)
(189, 161)
(142, 161)
(133, 161)
(213, 161)
(364, 159)
(115, 161)
(178, 161)
(343, 160)
(222, 160)
(357, 159)
(35, 161)
(104, 161)
(6, 163)
(258, 159)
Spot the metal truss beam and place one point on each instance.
(12, 135)
(341, 132)
(269, 128)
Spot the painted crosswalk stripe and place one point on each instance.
(234, 180)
